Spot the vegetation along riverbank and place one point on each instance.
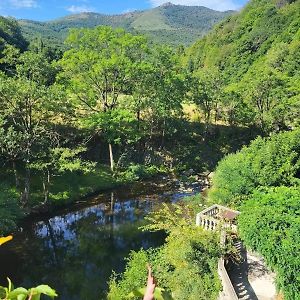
(114, 105)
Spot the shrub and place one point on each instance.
(268, 162)
(186, 265)
(10, 211)
(270, 224)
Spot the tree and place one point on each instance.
(10, 33)
(168, 88)
(269, 224)
(206, 88)
(58, 161)
(159, 88)
(100, 67)
(27, 111)
(11, 42)
(265, 90)
(268, 162)
(36, 67)
(116, 126)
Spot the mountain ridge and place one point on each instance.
(168, 23)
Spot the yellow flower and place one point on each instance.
(5, 239)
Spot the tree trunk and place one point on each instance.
(138, 117)
(25, 195)
(111, 157)
(17, 179)
(46, 184)
(163, 135)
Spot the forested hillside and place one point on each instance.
(257, 54)
(10, 34)
(170, 24)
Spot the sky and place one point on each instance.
(42, 10)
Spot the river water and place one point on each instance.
(76, 250)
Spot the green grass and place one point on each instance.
(73, 186)
(64, 190)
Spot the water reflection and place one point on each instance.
(76, 251)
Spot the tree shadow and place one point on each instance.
(238, 273)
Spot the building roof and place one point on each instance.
(228, 214)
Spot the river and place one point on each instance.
(76, 250)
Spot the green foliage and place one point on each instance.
(11, 42)
(255, 53)
(10, 212)
(136, 172)
(36, 67)
(270, 223)
(133, 278)
(272, 161)
(61, 160)
(96, 75)
(71, 186)
(186, 265)
(206, 91)
(115, 125)
(11, 293)
(10, 33)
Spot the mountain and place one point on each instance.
(257, 53)
(169, 23)
(264, 28)
(10, 34)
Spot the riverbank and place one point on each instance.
(76, 248)
(73, 190)
(64, 191)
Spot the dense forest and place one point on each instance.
(257, 53)
(112, 107)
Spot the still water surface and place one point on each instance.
(75, 251)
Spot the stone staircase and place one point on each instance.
(248, 279)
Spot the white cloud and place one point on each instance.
(128, 10)
(76, 9)
(23, 3)
(220, 5)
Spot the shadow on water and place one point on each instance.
(75, 251)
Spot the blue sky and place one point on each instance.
(50, 9)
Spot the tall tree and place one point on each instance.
(99, 68)
(27, 111)
(206, 89)
(168, 86)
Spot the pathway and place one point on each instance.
(251, 279)
(248, 280)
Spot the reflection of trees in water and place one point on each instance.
(77, 252)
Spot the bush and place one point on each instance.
(270, 224)
(10, 211)
(134, 277)
(268, 162)
(185, 266)
(137, 172)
